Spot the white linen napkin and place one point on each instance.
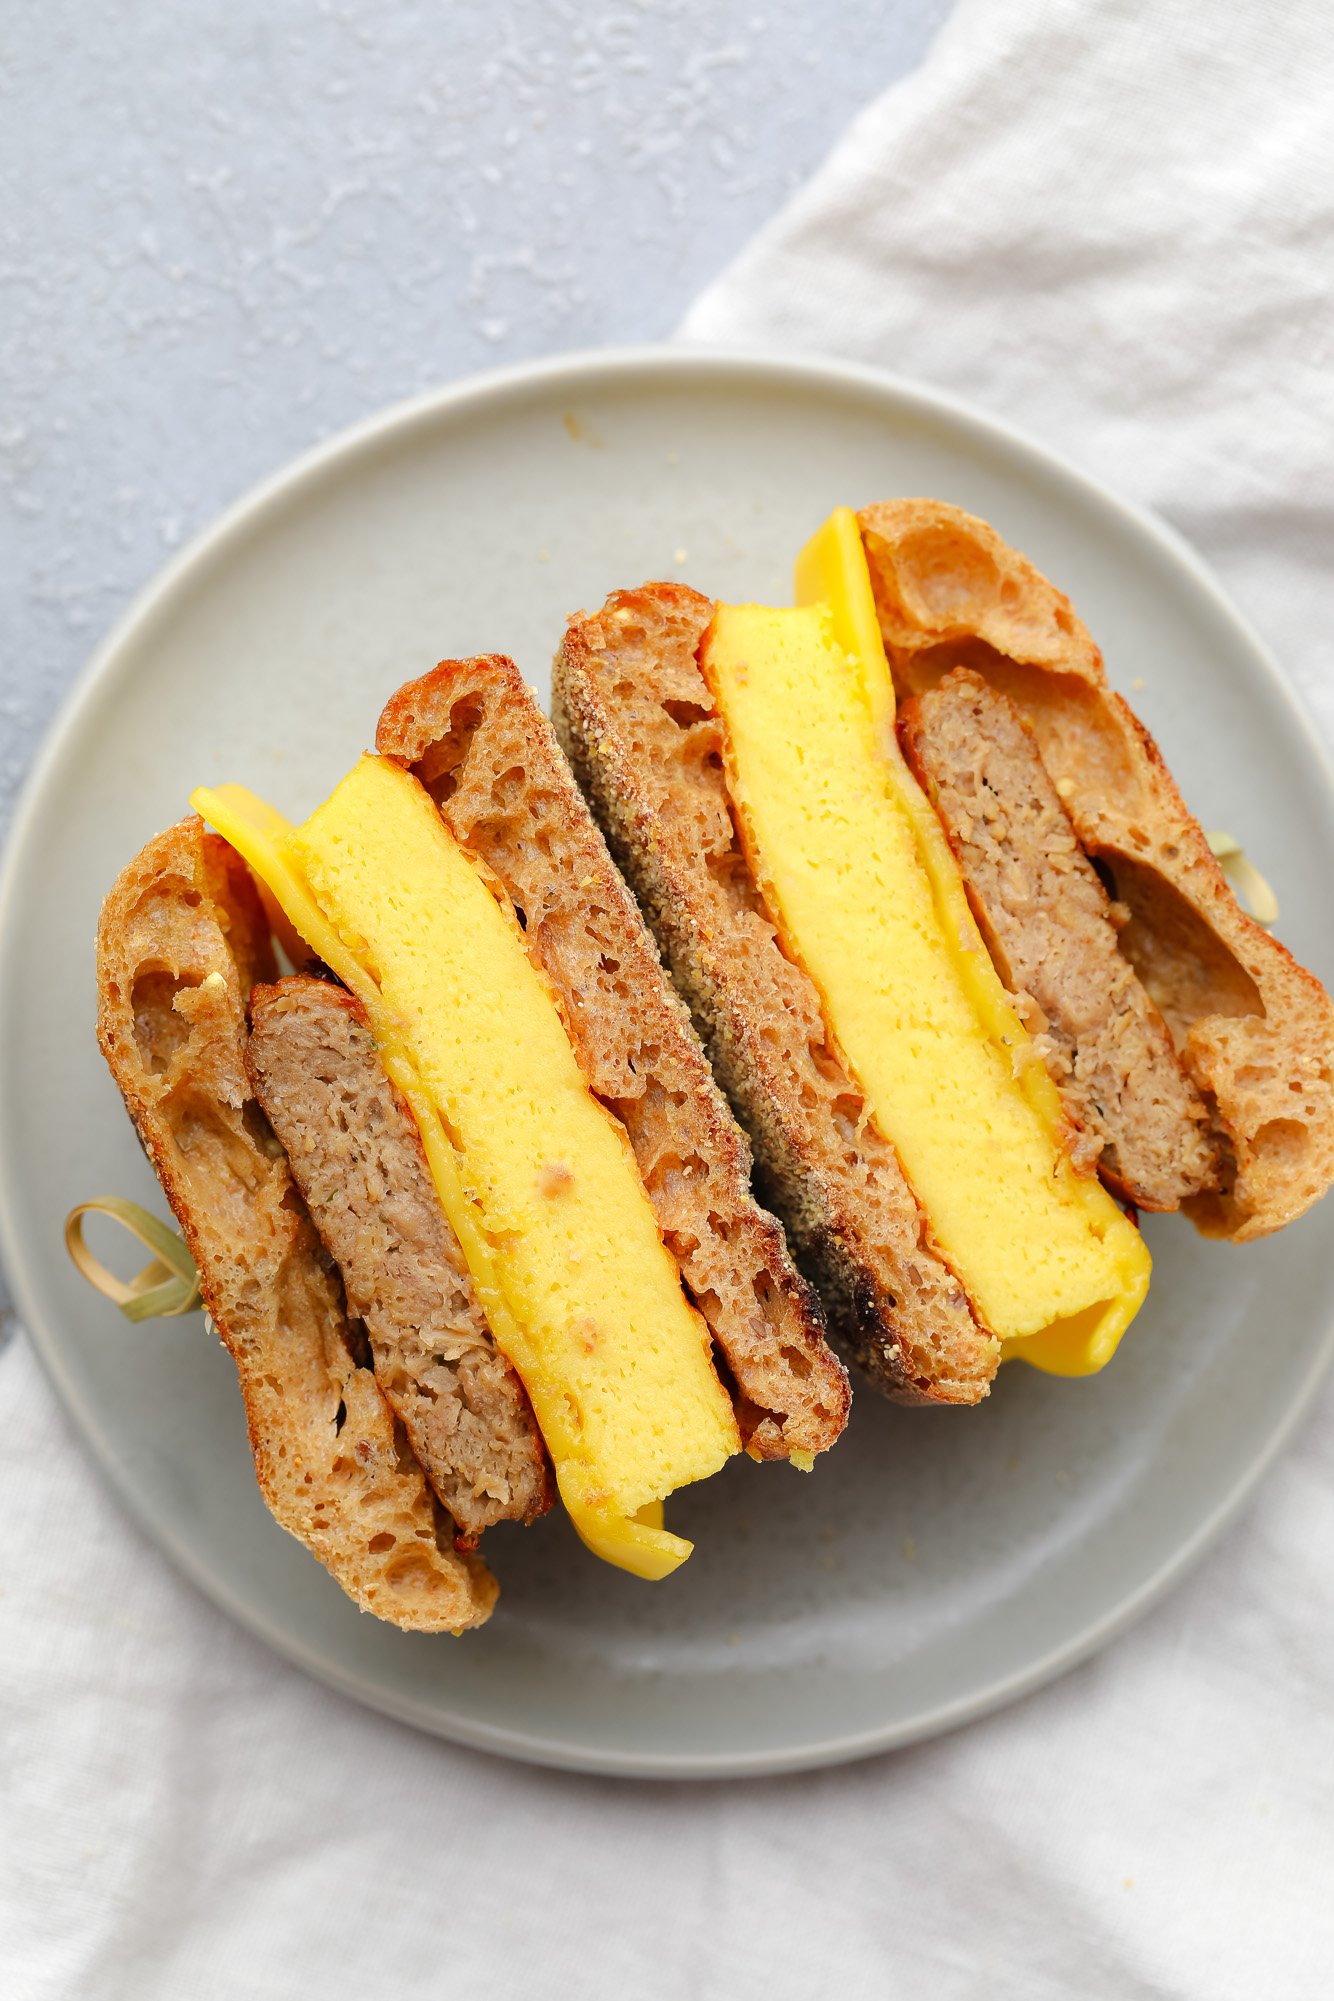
(1112, 223)
(1111, 220)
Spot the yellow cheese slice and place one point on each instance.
(535, 1176)
(868, 898)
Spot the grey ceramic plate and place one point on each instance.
(936, 1564)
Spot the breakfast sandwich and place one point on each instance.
(967, 971)
(466, 1204)
(993, 666)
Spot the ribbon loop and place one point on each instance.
(166, 1287)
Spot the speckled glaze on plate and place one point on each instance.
(936, 1564)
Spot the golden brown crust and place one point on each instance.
(639, 724)
(180, 941)
(475, 736)
(1253, 1028)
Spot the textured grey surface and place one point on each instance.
(228, 229)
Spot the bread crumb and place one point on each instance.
(582, 432)
(679, 555)
(1066, 787)
(1137, 684)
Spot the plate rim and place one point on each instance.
(628, 365)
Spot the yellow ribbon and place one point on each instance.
(1245, 879)
(167, 1286)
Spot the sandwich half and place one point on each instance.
(937, 1021)
(182, 942)
(480, 1116)
(993, 665)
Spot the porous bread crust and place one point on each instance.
(476, 738)
(640, 727)
(1050, 927)
(354, 1151)
(180, 940)
(1253, 1028)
